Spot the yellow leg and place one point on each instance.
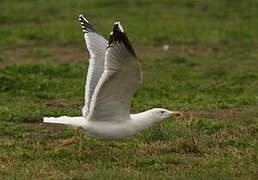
(72, 140)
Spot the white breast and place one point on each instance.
(109, 130)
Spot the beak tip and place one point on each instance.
(177, 114)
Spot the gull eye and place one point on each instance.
(162, 112)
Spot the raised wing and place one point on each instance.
(96, 45)
(118, 83)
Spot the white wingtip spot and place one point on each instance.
(82, 17)
(119, 26)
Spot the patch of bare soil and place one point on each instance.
(56, 55)
(74, 104)
(4, 136)
(40, 127)
(224, 114)
(148, 50)
(79, 54)
(53, 127)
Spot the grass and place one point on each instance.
(38, 52)
(209, 72)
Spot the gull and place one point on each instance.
(114, 74)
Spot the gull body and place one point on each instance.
(113, 76)
(112, 129)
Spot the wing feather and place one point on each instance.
(118, 83)
(96, 45)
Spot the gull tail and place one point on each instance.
(70, 121)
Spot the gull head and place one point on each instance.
(161, 114)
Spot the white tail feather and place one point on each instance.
(71, 121)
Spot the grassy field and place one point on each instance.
(210, 72)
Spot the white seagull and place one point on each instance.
(114, 74)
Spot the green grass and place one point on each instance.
(170, 21)
(209, 73)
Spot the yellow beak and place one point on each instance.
(176, 114)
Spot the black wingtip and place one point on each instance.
(118, 27)
(82, 18)
(118, 34)
(85, 25)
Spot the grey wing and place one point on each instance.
(118, 83)
(96, 45)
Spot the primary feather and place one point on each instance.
(118, 83)
(96, 45)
